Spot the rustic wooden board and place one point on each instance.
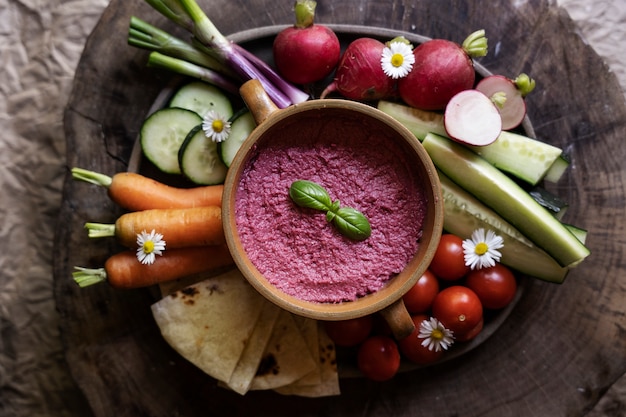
(558, 352)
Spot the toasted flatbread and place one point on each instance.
(249, 361)
(286, 357)
(327, 365)
(210, 323)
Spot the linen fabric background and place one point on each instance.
(40, 45)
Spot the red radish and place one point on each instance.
(508, 95)
(360, 75)
(306, 52)
(472, 118)
(442, 69)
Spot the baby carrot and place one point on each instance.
(124, 271)
(136, 192)
(196, 226)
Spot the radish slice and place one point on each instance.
(472, 118)
(513, 109)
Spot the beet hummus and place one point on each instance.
(295, 248)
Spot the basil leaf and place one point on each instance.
(352, 223)
(309, 194)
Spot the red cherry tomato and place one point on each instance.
(420, 297)
(495, 286)
(411, 346)
(449, 260)
(467, 336)
(349, 332)
(458, 308)
(378, 358)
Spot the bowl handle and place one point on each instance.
(398, 319)
(257, 100)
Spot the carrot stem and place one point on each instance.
(96, 230)
(92, 177)
(85, 277)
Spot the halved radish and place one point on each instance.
(508, 95)
(471, 117)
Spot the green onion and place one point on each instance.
(190, 16)
(158, 60)
(143, 35)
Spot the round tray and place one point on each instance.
(259, 41)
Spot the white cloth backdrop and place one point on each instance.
(40, 45)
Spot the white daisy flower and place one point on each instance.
(149, 245)
(397, 59)
(435, 335)
(215, 126)
(481, 251)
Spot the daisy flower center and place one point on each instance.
(481, 248)
(436, 334)
(397, 60)
(217, 125)
(148, 246)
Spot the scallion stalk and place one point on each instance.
(146, 36)
(188, 14)
(159, 60)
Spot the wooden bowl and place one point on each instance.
(272, 123)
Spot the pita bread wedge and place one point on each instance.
(249, 361)
(286, 358)
(329, 384)
(309, 331)
(210, 323)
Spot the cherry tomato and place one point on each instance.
(378, 358)
(420, 297)
(349, 332)
(467, 336)
(411, 346)
(495, 286)
(449, 261)
(458, 308)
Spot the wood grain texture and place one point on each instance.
(559, 351)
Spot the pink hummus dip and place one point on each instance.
(302, 254)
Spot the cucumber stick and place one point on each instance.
(464, 213)
(523, 157)
(502, 194)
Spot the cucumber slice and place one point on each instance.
(464, 213)
(162, 134)
(242, 124)
(198, 159)
(201, 98)
(525, 158)
(507, 198)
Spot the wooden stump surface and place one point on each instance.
(563, 345)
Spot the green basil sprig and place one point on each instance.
(350, 222)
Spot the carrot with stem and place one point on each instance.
(195, 226)
(136, 192)
(124, 271)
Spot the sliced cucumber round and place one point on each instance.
(242, 124)
(162, 135)
(201, 98)
(199, 160)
